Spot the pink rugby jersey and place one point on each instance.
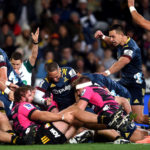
(99, 100)
(21, 114)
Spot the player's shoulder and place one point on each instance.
(68, 71)
(27, 105)
(2, 52)
(131, 44)
(44, 83)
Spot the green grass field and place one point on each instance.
(95, 146)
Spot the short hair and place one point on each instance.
(17, 56)
(21, 91)
(118, 28)
(50, 67)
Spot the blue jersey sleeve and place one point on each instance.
(128, 52)
(69, 72)
(44, 85)
(2, 60)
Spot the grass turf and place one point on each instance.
(94, 146)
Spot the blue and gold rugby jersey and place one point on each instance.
(62, 92)
(132, 72)
(11, 74)
(12, 77)
(115, 88)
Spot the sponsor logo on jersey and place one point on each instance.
(45, 139)
(127, 135)
(28, 106)
(65, 79)
(66, 88)
(64, 71)
(136, 101)
(1, 58)
(82, 93)
(106, 107)
(52, 85)
(128, 52)
(54, 132)
(72, 73)
(47, 125)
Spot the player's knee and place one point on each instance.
(3, 118)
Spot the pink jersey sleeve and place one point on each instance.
(92, 97)
(26, 109)
(86, 94)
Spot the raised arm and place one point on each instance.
(34, 54)
(137, 18)
(99, 35)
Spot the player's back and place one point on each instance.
(99, 99)
(20, 113)
(115, 88)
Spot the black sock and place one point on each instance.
(16, 140)
(103, 119)
(2, 110)
(145, 127)
(11, 132)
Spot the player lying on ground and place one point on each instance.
(51, 127)
(7, 135)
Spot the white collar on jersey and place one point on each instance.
(83, 85)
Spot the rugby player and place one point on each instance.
(130, 64)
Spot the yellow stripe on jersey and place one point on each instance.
(65, 79)
(143, 91)
(127, 134)
(45, 139)
(127, 42)
(47, 80)
(64, 71)
(52, 85)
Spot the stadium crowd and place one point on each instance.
(66, 31)
(37, 33)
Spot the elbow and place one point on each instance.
(144, 24)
